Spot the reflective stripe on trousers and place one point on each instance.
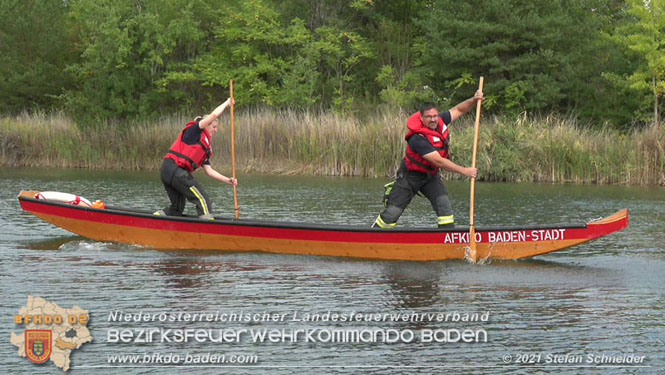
(382, 224)
(444, 220)
(202, 201)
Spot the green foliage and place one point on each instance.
(278, 63)
(643, 35)
(35, 47)
(600, 61)
(535, 55)
(341, 51)
(271, 62)
(126, 47)
(401, 82)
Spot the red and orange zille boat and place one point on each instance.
(169, 232)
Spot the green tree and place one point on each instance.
(132, 58)
(535, 56)
(278, 63)
(126, 48)
(34, 50)
(643, 34)
(271, 63)
(394, 32)
(341, 52)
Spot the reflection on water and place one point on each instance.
(414, 285)
(601, 297)
(51, 243)
(186, 273)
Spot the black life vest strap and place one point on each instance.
(414, 161)
(187, 158)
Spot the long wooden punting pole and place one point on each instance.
(233, 155)
(472, 229)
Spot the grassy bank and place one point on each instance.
(547, 149)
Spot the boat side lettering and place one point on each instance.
(547, 234)
(456, 237)
(508, 236)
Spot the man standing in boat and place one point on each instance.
(192, 149)
(426, 152)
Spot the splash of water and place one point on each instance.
(480, 261)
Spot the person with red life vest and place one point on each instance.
(427, 151)
(192, 150)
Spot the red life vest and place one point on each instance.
(437, 138)
(190, 157)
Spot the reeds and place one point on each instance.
(542, 149)
(556, 149)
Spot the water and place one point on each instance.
(600, 298)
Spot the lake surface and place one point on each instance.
(581, 310)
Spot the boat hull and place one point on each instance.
(164, 232)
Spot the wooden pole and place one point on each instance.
(233, 155)
(472, 229)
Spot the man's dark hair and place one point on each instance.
(426, 107)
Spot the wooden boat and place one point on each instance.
(170, 232)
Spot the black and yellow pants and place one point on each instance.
(407, 185)
(181, 186)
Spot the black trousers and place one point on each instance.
(181, 186)
(407, 185)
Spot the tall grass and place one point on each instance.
(556, 149)
(304, 143)
(542, 149)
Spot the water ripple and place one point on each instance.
(601, 297)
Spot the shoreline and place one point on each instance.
(542, 150)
